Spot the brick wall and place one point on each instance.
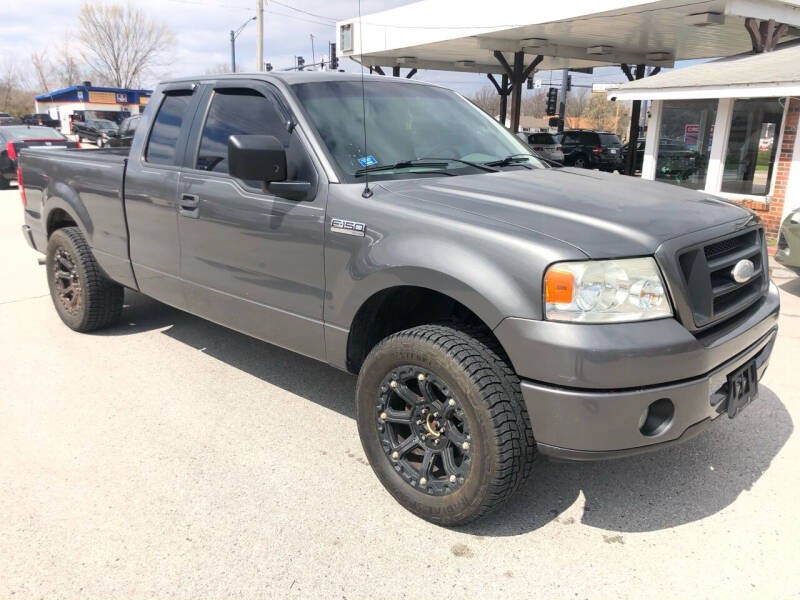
(771, 210)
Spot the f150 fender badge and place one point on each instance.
(348, 227)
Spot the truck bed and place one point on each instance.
(84, 186)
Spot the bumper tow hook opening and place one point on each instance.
(657, 418)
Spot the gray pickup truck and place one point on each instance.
(492, 307)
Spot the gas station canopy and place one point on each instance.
(463, 35)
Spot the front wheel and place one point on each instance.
(443, 424)
(84, 298)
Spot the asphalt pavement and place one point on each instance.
(168, 457)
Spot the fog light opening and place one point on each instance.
(657, 418)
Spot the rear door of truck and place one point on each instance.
(151, 192)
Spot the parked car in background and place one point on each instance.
(544, 144)
(788, 253)
(97, 131)
(125, 134)
(587, 149)
(675, 159)
(7, 120)
(14, 138)
(42, 119)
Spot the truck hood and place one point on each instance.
(602, 214)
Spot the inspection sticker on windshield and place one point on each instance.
(367, 161)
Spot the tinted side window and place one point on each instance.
(571, 138)
(590, 139)
(164, 136)
(237, 112)
(543, 138)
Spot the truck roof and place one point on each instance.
(293, 77)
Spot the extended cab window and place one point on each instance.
(164, 135)
(236, 111)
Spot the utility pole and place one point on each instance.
(313, 56)
(260, 35)
(233, 52)
(562, 107)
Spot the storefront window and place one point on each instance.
(687, 130)
(752, 146)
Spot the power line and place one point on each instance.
(302, 11)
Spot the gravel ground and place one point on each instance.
(168, 457)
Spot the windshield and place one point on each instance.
(17, 134)
(103, 124)
(405, 123)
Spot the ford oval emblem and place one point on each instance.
(743, 271)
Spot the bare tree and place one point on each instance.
(15, 96)
(535, 104)
(577, 102)
(487, 100)
(43, 69)
(121, 45)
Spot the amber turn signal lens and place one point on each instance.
(558, 286)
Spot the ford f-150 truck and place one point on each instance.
(492, 307)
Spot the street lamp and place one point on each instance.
(234, 35)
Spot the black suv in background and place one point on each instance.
(126, 130)
(588, 149)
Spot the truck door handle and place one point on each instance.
(189, 206)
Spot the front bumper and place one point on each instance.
(587, 388)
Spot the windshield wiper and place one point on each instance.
(482, 166)
(511, 159)
(432, 163)
(403, 164)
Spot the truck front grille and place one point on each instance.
(708, 273)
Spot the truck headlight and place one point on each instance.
(605, 291)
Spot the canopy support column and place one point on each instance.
(516, 75)
(636, 112)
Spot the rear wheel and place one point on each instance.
(443, 424)
(580, 162)
(83, 297)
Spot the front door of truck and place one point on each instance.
(251, 260)
(151, 195)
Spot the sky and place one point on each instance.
(202, 34)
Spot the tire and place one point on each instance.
(580, 163)
(4, 183)
(82, 295)
(472, 395)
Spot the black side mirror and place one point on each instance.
(256, 157)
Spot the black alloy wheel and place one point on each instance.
(66, 283)
(423, 430)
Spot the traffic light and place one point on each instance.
(569, 82)
(552, 101)
(334, 59)
(529, 83)
(301, 62)
(268, 67)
